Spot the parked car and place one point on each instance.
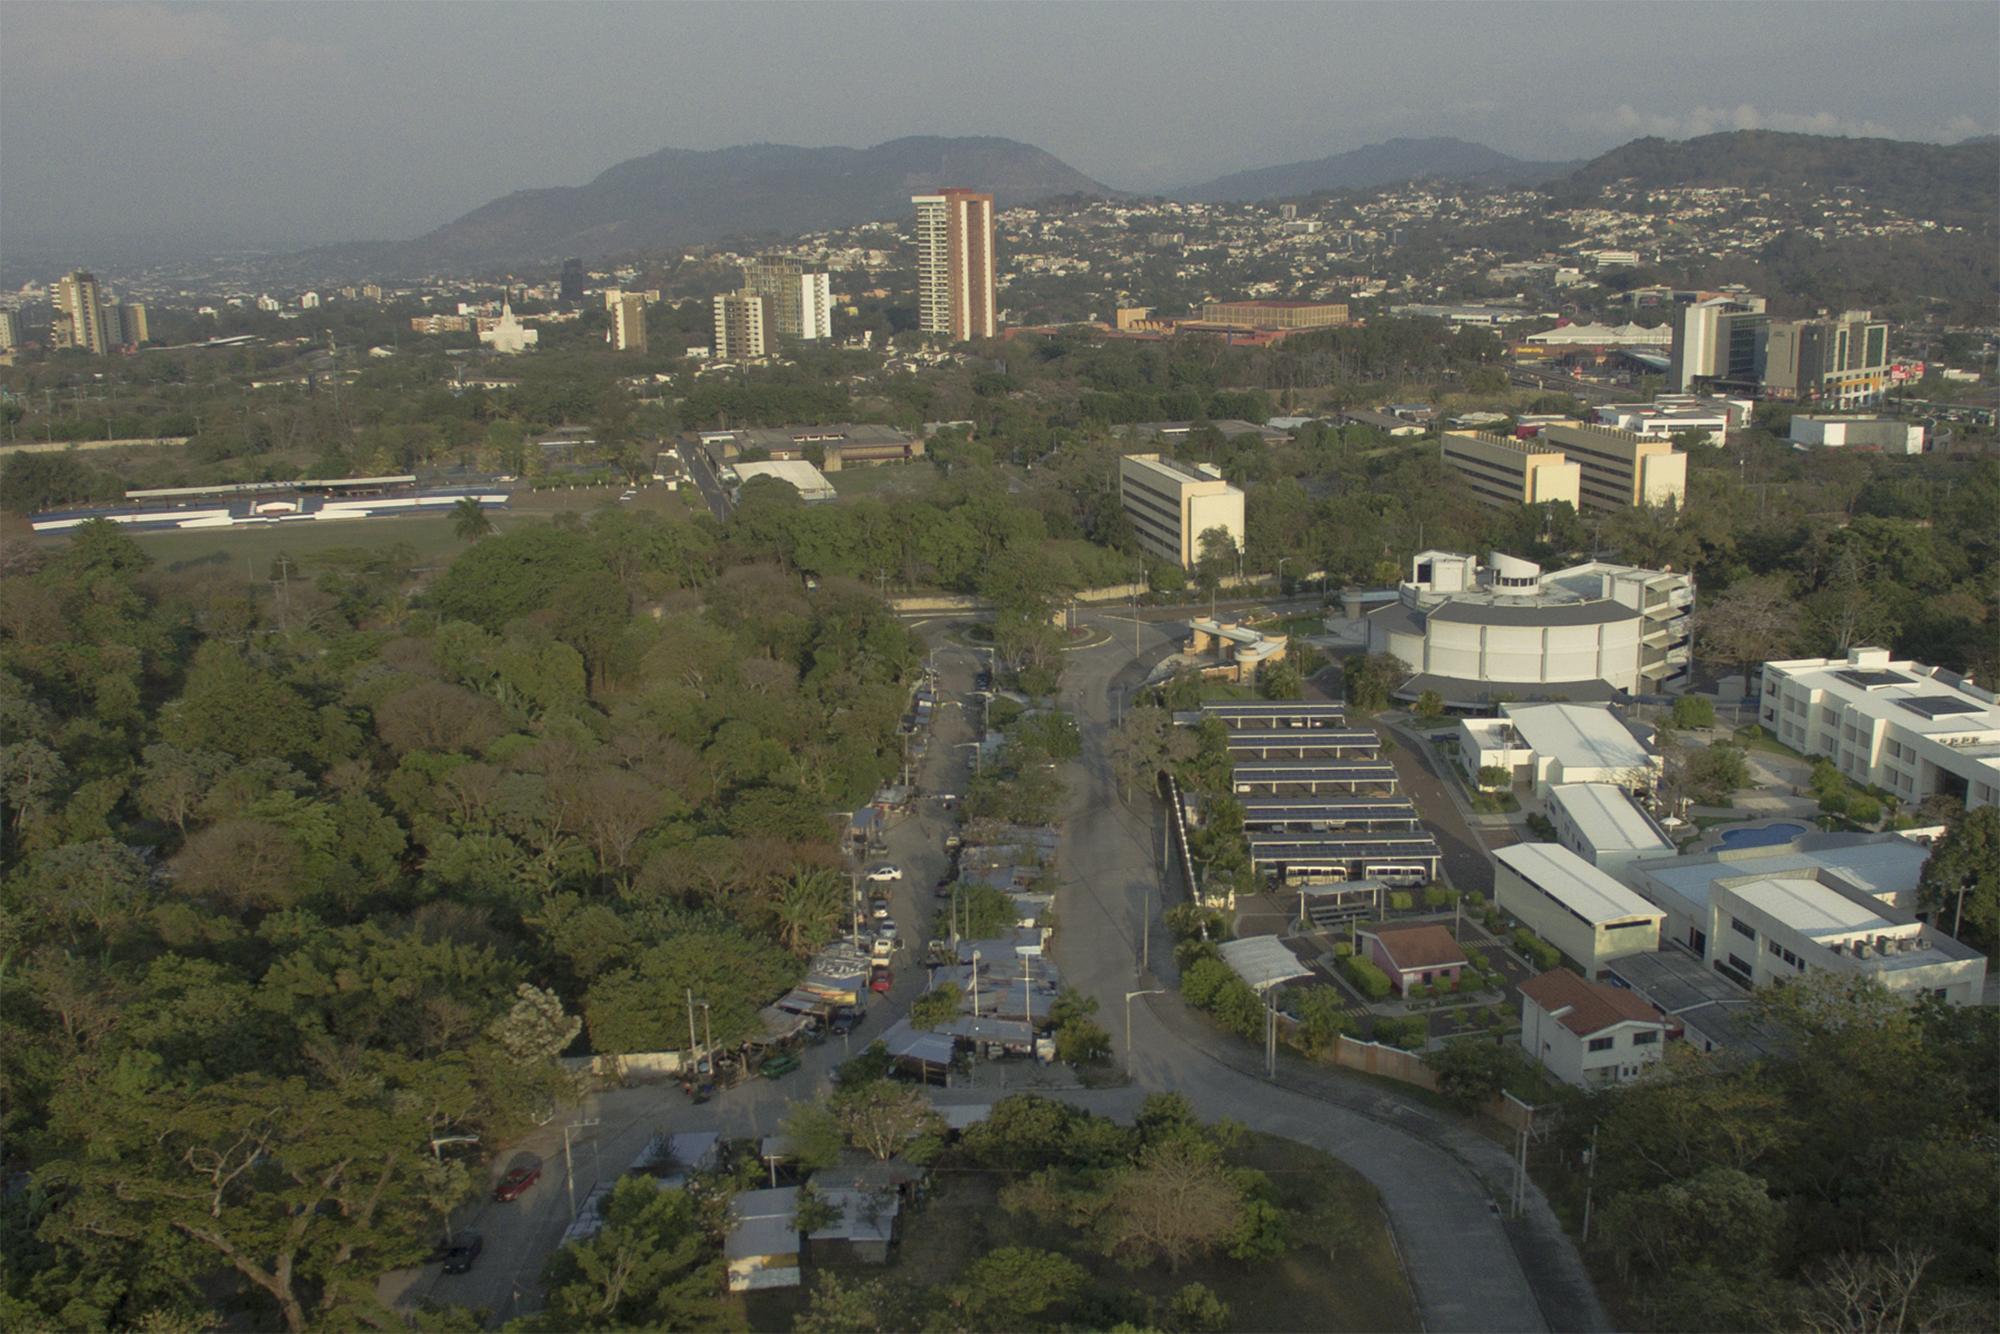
(463, 1253)
(885, 928)
(952, 843)
(885, 872)
(881, 949)
(879, 909)
(776, 1067)
(516, 1183)
(843, 1021)
(881, 980)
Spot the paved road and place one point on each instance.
(702, 473)
(1436, 1179)
(1467, 866)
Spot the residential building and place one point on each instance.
(570, 286)
(1274, 314)
(10, 330)
(1716, 338)
(1588, 1034)
(1883, 435)
(815, 307)
(955, 291)
(1425, 955)
(761, 1247)
(1472, 632)
(742, 325)
(133, 325)
(1621, 469)
(1171, 505)
(309, 301)
(440, 324)
(1885, 867)
(79, 319)
(1504, 471)
(628, 323)
(507, 334)
(1601, 823)
(797, 303)
(1842, 362)
(1908, 729)
(1573, 905)
(1546, 745)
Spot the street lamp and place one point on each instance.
(437, 1145)
(1129, 996)
(1281, 574)
(975, 984)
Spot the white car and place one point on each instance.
(885, 873)
(879, 911)
(882, 949)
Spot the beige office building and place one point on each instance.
(132, 323)
(1621, 469)
(628, 323)
(1171, 505)
(1275, 314)
(1504, 471)
(79, 321)
(742, 325)
(955, 264)
(10, 330)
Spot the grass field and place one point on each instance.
(880, 480)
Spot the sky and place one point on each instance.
(293, 124)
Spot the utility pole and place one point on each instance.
(569, 1167)
(975, 984)
(1590, 1185)
(1129, 996)
(1271, 1036)
(693, 1053)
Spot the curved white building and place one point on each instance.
(1478, 633)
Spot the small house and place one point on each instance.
(1587, 1033)
(1425, 955)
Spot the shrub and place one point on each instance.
(1082, 1042)
(1694, 711)
(1343, 949)
(1863, 809)
(1371, 981)
(1475, 960)
(1541, 827)
(1538, 951)
(1409, 1034)
(1494, 776)
(1438, 896)
(1401, 900)
(1418, 991)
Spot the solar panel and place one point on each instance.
(1938, 706)
(1870, 679)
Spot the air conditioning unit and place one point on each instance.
(1860, 949)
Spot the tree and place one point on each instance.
(1752, 622)
(1960, 884)
(469, 520)
(1471, 1072)
(1369, 677)
(936, 1007)
(1694, 711)
(1716, 773)
(809, 905)
(1722, 1218)
(1178, 1201)
(1430, 706)
(537, 1029)
(882, 1119)
(1009, 1287)
(655, 1263)
(1081, 1041)
(814, 1133)
(1216, 558)
(1197, 1310)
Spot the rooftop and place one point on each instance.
(1815, 910)
(1608, 819)
(1884, 866)
(1574, 883)
(1909, 694)
(1426, 946)
(1262, 961)
(1583, 736)
(1584, 1007)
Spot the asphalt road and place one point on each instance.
(695, 460)
(1467, 865)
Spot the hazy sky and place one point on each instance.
(289, 124)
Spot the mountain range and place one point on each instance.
(682, 196)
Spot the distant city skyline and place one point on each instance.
(313, 123)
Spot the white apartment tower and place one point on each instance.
(79, 321)
(955, 264)
(628, 323)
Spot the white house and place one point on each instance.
(1574, 906)
(1587, 1033)
(1550, 744)
(1601, 823)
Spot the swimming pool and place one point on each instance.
(1762, 837)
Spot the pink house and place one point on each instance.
(1413, 955)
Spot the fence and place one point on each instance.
(627, 1068)
(1407, 1067)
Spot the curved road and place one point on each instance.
(1439, 1180)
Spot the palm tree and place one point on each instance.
(468, 519)
(808, 907)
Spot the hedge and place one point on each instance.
(1370, 980)
(1409, 1034)
(1437, 896)
(1540, 953)
(1401, 900)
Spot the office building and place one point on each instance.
(1600, 823)
(1477, 632)
(10, 330)
(1588, 1034)
(628, 323)
(741, 325)
(79, 319)
(570, 284)
(1548, 745)
(955, 294)
(1274, 314)
(1504, 471)
(1716, 338)
(797, 304)
(1171, 505)
(838, 444)
(1883, 435)
(1841, 362)
(1573, 905)
(1620, 469)
(1903, 727)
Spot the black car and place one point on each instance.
(843, 1022)
(461, 1255)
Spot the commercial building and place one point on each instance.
(10, 330)
(133, 328)
(837, 445)
(1573, 905)
(808, 481)
(79, 318)
(1883, 435)
(1547, 745)
(1601, 823)
(1678, 414)
(1504, 471)
(1716, 338)
(955, 293)
(628, 323)
(1588, 1034)
(570, 286)
(741, 325)
(1472, 632)
(1842, 362)
(1274, 314)
(1621, 469)
(440, 324)
(1171, 505)
(1909, 729)
(797, 304)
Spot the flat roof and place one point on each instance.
(1542, 612)
(1608, 818)
(1877, 864)
(1583, 736)
(1904, 693)
(1808, 907)
(1262, 961)
(1574, 883)
(1262, 709)
(1305, 736)
(1697, 995)
(1306, 772)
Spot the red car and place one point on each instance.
(881, 980)
(515, 1184)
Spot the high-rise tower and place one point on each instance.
(955, 264)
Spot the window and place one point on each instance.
(1742, 928)
(1602, 1044)
(1646, 1039)
(1774, 947)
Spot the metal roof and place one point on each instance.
(1580, 736)
(1585, 891)
(1262, 961)
(1608, 818)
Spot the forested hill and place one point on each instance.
(1389, 163)
(681, 196)
(1943, 181)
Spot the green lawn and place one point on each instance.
(1219, 689)
(1754, 737)
(878, 479)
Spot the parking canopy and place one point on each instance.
(1262, 961)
